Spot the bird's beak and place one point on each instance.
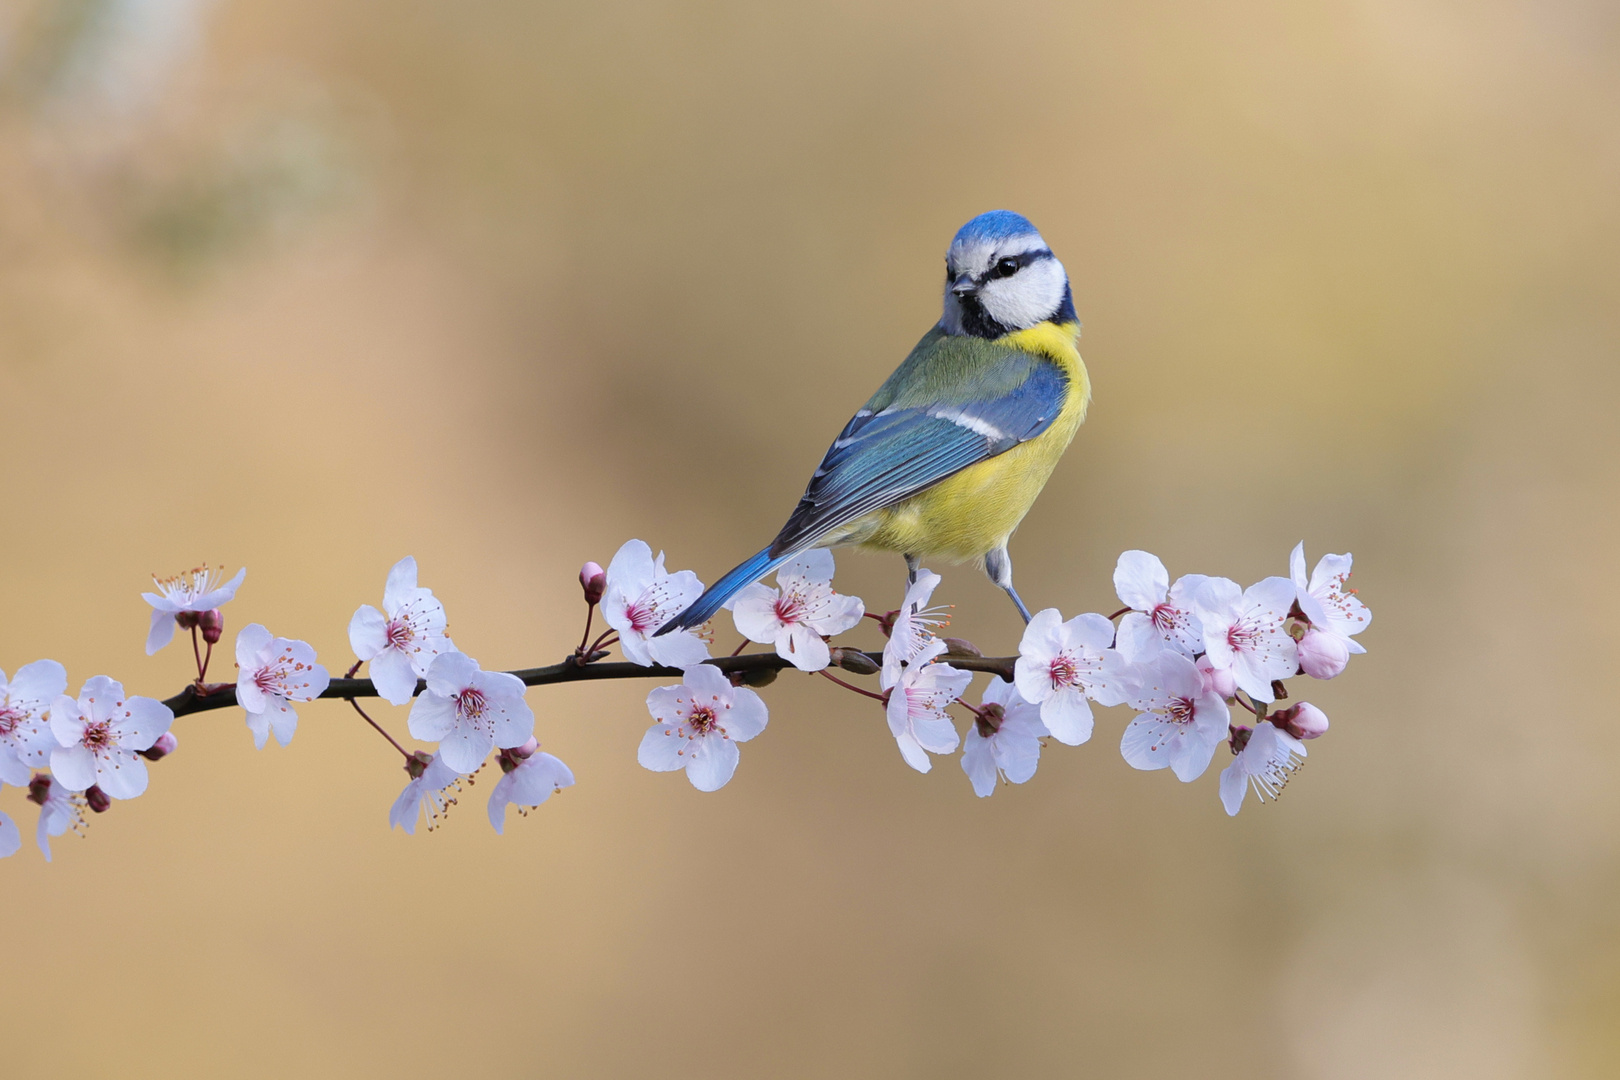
(963, 285)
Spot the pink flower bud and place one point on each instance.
(510, 758)
(1323, 655)
(1302, 721)
(593, 579)
(186, 620)
(213, 625)
(164, 746)
(97, 800)
(1218, 681)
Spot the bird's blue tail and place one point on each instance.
(703, 609)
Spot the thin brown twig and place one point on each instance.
(380, 730)
(847, 686)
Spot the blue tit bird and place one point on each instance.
(948, 456)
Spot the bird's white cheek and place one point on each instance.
(1026, 298)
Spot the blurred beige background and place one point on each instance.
(310, 286)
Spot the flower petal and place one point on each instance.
(433, 717)
(221, 595)
(663, 748)
(747, 716)
(40, 681)
(979, 762)
(368, 632)
(393, 676)
(803, 648)
(1067, 715)
(400, 584)
(711, 762)
(1141, 580)
(161, 631)
(140, 722)
(121, 773)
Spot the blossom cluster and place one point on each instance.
(1180, 655)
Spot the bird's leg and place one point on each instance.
(998, 564)
(912, 565)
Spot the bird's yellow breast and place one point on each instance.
(973, 512)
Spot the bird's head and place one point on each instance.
(1000, 277)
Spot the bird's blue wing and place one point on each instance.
(888, 454)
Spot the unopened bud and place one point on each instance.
(855, 660)
(1303, 721)
(754, 677)
(955, 646)
(164, 746)
(593, 579)
(213, 625)
(1219, 681)
(186, 620)
(417, 764)
(1239, 738)
(97, 800)
(1323, 655)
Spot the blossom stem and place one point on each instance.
(197, 652)
(208, 655)
(827, 675)
(193, 700)
(970, 707)
(738, 650)
(380, 730)
(590, 610)
(1121, 611)
(1241, 700)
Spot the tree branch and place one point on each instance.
(223, 696)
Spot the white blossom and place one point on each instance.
(1328, 605)
(1179, 723)
(1061, 664)
(401, 640)
(530, 784)
(1012, 749)
(914, 623)
(698, 726)
(272, 673)
(642, 596)
(26, 741)
(195, 590)
(424, 793)
(917, 705)
(100, 737)
(1243, 631)
(10, 837)
(798, 614)
(1161, 615)
(470, 712)
(1266, 763)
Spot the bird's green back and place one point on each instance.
(945, 369)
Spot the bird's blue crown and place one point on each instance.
(993, 227)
